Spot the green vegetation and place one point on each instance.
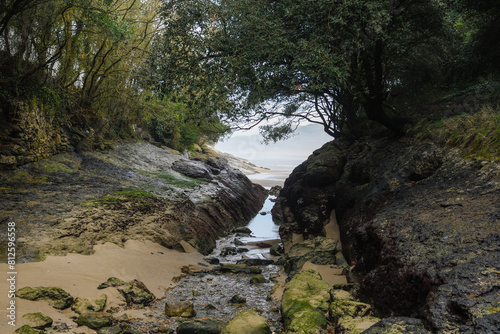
(476, 135)
(182, 72)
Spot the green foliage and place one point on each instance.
(184, 182)
(329, 62)
(477, 135)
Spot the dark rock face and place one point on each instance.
(418, 223)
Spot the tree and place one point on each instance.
(330, 62)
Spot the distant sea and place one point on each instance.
(281, 157)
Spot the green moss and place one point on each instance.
(26, 330)
(23, 176)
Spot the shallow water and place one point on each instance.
(211, 293)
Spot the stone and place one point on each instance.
(82, 305)
(242, 230)
(212, 260)
(56, 297)
(276, 250)
(237, 299)
(26, 330)
(247, 322)
(319, 250)
(358, 325)
(95, 320)
(305, 302)
(184, 309)
(398, 325)
(38, 320)
(8, 162)
(257, 279)
(238, 268)
(255, 262)
(110, 330)
(201, 326)
(136, 293)
(111, 282)
(342, 308)
(192, 168)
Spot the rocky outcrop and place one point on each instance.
(419, 226)
(56, 297)
(134, 191)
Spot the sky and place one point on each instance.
(283, 155)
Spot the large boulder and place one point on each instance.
(82, 305)
(305, 302)
(319, 250)
(56, 297)
(247, 322)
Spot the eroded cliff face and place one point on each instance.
(138, 191)
(419, 225)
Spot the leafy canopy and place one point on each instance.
(332, 62)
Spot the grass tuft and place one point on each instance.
(476, 135)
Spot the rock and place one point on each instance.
(95, 320)
(111, 282)
(400, 325)
(82, 305)
(26, 330)
(275, 190)
(247, 322)
(263, 244)
(304, 304)
(237, 299)
(110, 330)
(237, 268)
(319, 250)
(238, 242)
(255, 262)
(232, 251)
(38, 320)
(56, 297)
(201, 326)
(135, 292)
(212, 260)
(276, 250)
(8, 162)
(257, 279)
(184, 309)
(357, 324)
(192, 168)
(242, 230)
(348, 308)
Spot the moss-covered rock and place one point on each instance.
(201, 326)
(319, 250)
(26, 330)
(110, 330)
(112, 282)
(95, 320)
(257, 279)
(247, 322)
(398, 325)
(82, 305)
(135, 292)
(238, 268)
(358, 325)
(57, 297)
(184, 309)
(38, 320)
(348, 308)
(305, 302)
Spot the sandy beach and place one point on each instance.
(80, 275)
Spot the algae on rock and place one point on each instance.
(305, 303)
